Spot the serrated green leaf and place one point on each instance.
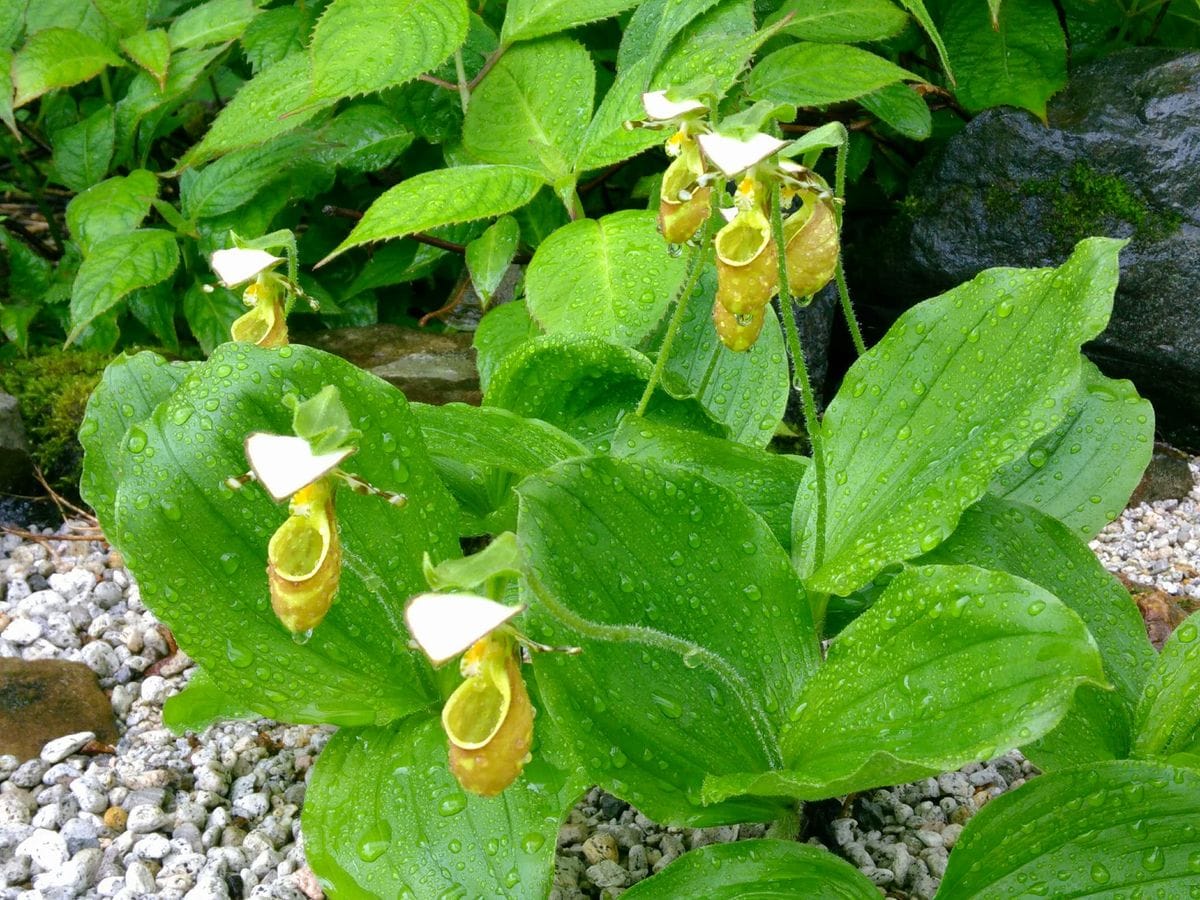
(127, 16)
(114, 206)
(275, 34)
(532, 107)
(84, 17)
(841, 21)
(442, 197)
(958, 387)
(115, 267)
(490, 255)
(902, 108)
(952, 664)
(500, 332)
(210, 313)
(212, 22)
(1084, 471)
(921, 14)
(1011, 537)
(610, 277)
(155, 307)
(382, 809)
(1168, 715)
(237, 178)
(6, 91)
(199, 549)
(57, 58)
(762, 869)
(653, 26)
(1108, 830)
(401, 39)
(1022, 63)
(481, 453)
(267, 106)
(83, 152)
(712, 648)
(584, 386)
(809, 74)
(151, 50)
(528, 19)
(748, 391)
(766, 482)
(364, 137)
(128, 392)
(200, 704)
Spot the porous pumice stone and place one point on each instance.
(217, 815)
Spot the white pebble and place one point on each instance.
(47, 849)
(22, 632)
(139, 878)
(60, 748)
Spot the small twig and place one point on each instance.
(60, 501)
(492, 59)
(50, 538)
(27, 238)
(438, 82)
(456, 297)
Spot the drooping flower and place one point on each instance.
(683, 201)
(266, 322)
(810, 237)
(747, 261)
(304, 559)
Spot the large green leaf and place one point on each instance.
(746, 391)
(1022, 62)
(1168, 716)
(696, 635)
(266, 106)
(481, 453)
(653, 26)
(362, 46)
(714, 47)
(200, 704)
(951, 664)
(235, 179)
(57, 58)
(489, 256)
(115, 206)
(584, 386)
(610, 277)
(958, 387)
(759, 869)
(365, 137)
(842, 21)
(1084, 471)
(811, 74)
(442, 197)
(1117, 829)
(128, 392)
(532, 108)
(199, 549)
(500, 332)
(117, 266)
(213, 22)
(999, 534)
(526, 19)
(83, 151)
(899, 106)
(384, 817)
(152, 51)
(766, 482)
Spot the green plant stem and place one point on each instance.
(839, 190)
(464, 90)
(695, 265)
(786, 826)
(800, 378)
(712, 367)
(106, 87)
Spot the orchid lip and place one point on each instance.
(238, 265)
(659, 107)
(733, 155)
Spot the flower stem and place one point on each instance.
(464, 89)
(800, 378)
(697, 257)
(839, 190)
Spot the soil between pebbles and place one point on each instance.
(218, 815)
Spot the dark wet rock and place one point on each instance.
(427, 367)
(1168, 477)
(1120, 156)
(41, 700)
(16, 468)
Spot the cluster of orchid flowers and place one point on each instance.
(747, 256)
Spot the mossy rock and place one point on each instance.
(53, 389)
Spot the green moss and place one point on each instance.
(53, 389)
(1091, 203)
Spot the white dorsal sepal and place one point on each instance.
(238, 264)
(444, 625)
(283, 464)
(733, 156)
(658, 107)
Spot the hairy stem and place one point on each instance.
(839, 190)
(697, 257)
(800, 378)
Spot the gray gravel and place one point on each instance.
(217, 815)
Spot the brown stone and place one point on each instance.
(427, 367)
(1168, 477)
(115, 818)
(47, 698)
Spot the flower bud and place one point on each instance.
(747, 263)
(489, 718)
(738, 336)
(683, 205)
(810, 236)
(265, 324)
(304, 559)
